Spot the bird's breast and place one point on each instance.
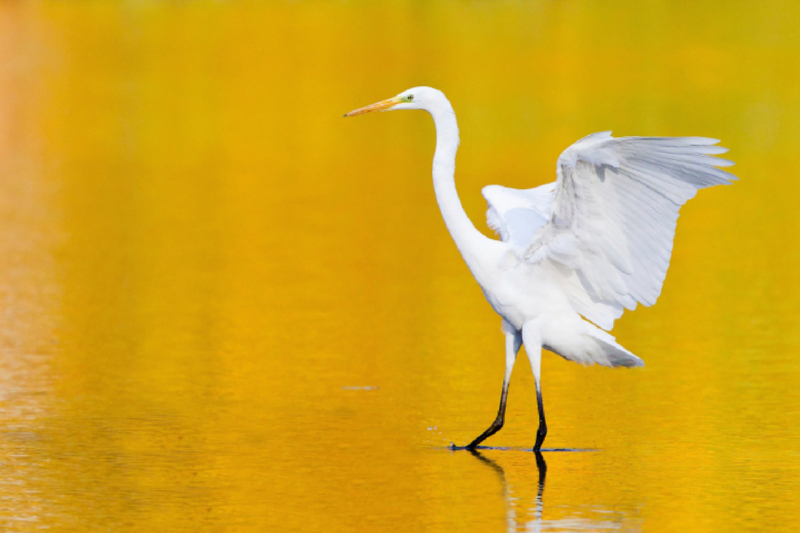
(522, 292)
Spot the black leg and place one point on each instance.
(513, 344)
(498, 422)
(542, 432)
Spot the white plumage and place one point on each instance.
(610, 217)
(592, 244)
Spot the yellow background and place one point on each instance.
(202, 265)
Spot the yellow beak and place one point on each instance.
(380, 106)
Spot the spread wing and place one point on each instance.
(517, 214)
(612, 220)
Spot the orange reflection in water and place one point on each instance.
(224, 306)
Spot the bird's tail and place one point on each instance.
(611, 353)
(580, 341)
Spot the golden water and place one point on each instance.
(225, 308)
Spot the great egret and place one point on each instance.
(576, 252)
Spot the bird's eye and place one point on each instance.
(410, 97)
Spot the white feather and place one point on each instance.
(613, 216)
(517, 214)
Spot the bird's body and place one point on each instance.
(575, 253)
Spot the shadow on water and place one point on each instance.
(522, 514)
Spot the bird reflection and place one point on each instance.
(512, 502)
(522, 514)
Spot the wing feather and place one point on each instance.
(613, 215)
(517, 214)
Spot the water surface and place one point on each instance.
(225, 308)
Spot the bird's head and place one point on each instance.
(417, 98)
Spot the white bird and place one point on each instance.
(576, 253)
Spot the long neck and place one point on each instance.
(458, 223)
